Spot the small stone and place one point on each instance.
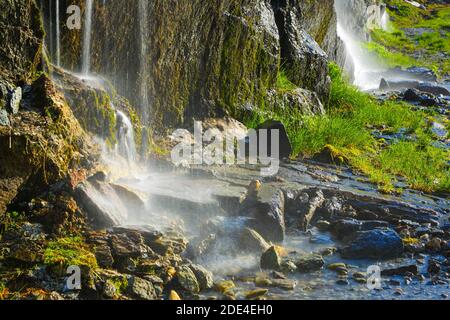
(337, 266)
(395, 282)
(328, 251)
(224, 286)
(310, 263)
(187, 280)
(204, 277)
(141, 289)
(271, 260)
(278, 275)
(288, 267)
(257, 293)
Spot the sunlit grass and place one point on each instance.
(345, 132)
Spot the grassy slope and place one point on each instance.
(396, 48)
(346, 133)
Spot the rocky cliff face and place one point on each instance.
(175, 60)
(41, 142)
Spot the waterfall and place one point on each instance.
(58, 36)
(86, 59)
(367, 70)
(143, 68)
(126, 145)
(385, 21)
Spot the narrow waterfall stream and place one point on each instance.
(367, 70)
(143, 59)
(87, 34)
(58, 35)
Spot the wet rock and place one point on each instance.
(271, 259)
(204, 277)
(252, 241)
(283, 284)
(375, 244)
(103, 213)
(131, 199)
(348, 227)
(401, 271)
(104, 256)
(288, 267)
(140, 289)
(123, 246)
(306, 212)
(309, 263)
(433, 89)
(257, 293)
(148, 233)
(345, 227)
(412, 95)
(224, 286)
(187, 280)
(285, 147)
(266, 206)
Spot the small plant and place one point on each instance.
(66, 252)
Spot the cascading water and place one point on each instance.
(126, 145)
(143, 69)
(385, 21)
(58, 36)
(367, 70)
(86, 58)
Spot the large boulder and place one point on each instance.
(266, 205)
(374, 244)
(285, 146)
(306, 63)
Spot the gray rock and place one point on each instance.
(401, 271)
(433, 89)
(266, 206)
(374, 244)
(285, 146)
(101, 204)
(141, 289)
(204, 277)
(271, 260)
(4, 118)
(252, 241)
(309, 263)
(14, 102)
(187, 279)
(302, 56)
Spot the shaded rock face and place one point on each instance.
(42, 146)
(305, 61)
(203, 59)
(375, 244)
(20, 53)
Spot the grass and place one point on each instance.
(345, 132)
(283, 82)
(396, 48)
(67, 252)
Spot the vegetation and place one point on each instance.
(398, 47)
(346, 134)
(66, 252)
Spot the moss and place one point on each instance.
(67, 252)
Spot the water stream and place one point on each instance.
(87, 34)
